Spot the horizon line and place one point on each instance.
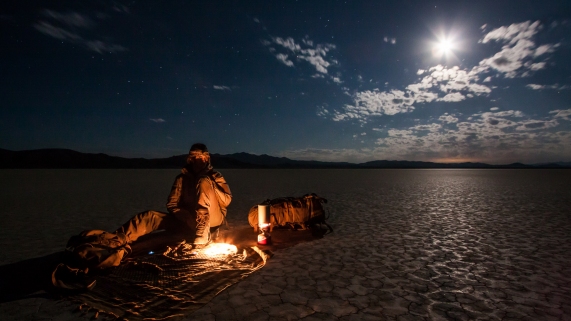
(299, 160)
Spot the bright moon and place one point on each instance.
(443, 47)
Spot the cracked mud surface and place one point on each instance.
(438, 245)
(407, 245)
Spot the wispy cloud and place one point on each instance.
(70, 18)
(224, 88)
(437, 84)
(519, 57)
(57, 32)
(101, 47)
(554, 86)
(376, 103)
(519, 51)
(288, 43)
(322, 111)
(452, 97)
(450, 80)
(563, 114)
(283, 58)
(290, 53)
(71, 27)
(491, 134)
(449, 119)
(495, 136)
(121, 8)
(157, 120)
(391, 40)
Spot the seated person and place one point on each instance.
(196, 204)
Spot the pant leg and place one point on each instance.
(145, 223)
(207, 201)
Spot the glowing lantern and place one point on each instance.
(264, 225)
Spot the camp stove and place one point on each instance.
(264, 236)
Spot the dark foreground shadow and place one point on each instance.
(32, 278)
(29, 278)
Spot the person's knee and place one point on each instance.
(205, 190)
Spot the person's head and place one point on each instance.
(198, 157)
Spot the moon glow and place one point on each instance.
(443, 48)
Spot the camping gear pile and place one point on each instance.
(293, 212)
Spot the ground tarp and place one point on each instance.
(170, 285)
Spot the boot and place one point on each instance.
(202, 237)
(72, 279)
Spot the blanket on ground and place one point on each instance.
(169, 285)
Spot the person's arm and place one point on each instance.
(173, 201)
(222, 190)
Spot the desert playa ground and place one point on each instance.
(407, 245)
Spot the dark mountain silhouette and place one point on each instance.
(283, 162)
(66, 158)
(554, 165)
(416, 164)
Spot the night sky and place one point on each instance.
(444, 81)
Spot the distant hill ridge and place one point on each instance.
(66, 158)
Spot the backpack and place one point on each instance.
(90, 251)
(305, 211)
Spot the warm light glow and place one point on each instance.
(217, 249)
(450, 160)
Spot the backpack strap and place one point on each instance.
(326, 214)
